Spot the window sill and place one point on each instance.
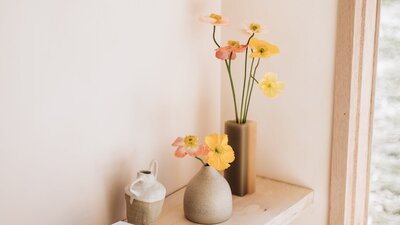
(274, 203)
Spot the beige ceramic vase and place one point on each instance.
(208, 197)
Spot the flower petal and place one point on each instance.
(228, 155)
(216, 22)
(223, 53)
(203, 150)
(233, 57)
(224, 140)
(241, 48)
(180, 152)
(212, 141)
(178, 142)
(271, 77)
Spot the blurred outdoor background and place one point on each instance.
(384, 208)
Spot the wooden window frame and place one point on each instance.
(355, 69)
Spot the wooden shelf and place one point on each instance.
(274, 203)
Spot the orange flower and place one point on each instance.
(232, 47)
(215, 19)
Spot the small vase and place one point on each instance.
(207, 198)
(241, 175)
(144, 197)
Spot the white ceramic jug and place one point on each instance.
(146, 188)
(145, 197)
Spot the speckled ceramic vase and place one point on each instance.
(208, 197)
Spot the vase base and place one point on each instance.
(207, 222)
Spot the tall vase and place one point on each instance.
(241, 175)
(207, 198)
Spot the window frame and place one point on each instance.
(354, 89)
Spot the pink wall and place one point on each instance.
(90, 92)
(294, 130)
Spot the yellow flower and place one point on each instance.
(262, 49)
(220, 154)
(190, 141)
(271, 86)
(252, 28)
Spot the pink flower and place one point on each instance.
(189, 146)
(232, 47)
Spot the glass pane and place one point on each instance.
(384, 204)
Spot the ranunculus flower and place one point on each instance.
(232, 47)
(271, 86)
(215, 19)
(189, 146)
(221, 154)
(262, 49)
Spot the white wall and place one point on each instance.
(90, 92)
(294, 131)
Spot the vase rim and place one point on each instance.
(234, 121)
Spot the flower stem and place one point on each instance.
(228, 67)
(244, 80)
(248, 90)
(204, 164)
(252, 85)
(215, 41)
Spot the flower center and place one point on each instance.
(216, 150)
(255, 27)
(216, 17)
(190, 141)
(233, 43)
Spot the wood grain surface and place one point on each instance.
(273, 203)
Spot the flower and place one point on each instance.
(220, 154)
(189, 146)
(215, 19)
(259, 49)
(232, 47)
(262, 49)
(253, 27)
(271, 86)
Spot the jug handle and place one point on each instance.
(154, 167)
(135, 193)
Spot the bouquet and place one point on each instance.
(259, 49)
(215, 152)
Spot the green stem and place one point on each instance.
(252, 85)
(248, 90)
(215, 41)
(228, 66)
(204, 164)
(244, 79)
